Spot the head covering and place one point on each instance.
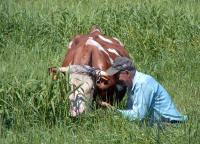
(120, 64)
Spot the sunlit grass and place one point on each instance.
(162, 38)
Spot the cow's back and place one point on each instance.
(83, 47)
(96, 50)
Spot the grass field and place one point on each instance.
(161, 36)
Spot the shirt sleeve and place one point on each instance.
(141, 102)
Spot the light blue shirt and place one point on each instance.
(148, 99)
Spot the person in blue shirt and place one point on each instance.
(147, 99)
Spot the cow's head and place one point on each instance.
(82, 86)
(83, 80)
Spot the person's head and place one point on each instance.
(123, 70)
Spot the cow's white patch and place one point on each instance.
(70, 44)
(119, 41)
(104, 39)
(113, 51)
(82, 98)
(63, 69)
(96, 30)
(90, 41)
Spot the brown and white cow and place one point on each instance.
(96, 51)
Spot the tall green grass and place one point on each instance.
(162, 38)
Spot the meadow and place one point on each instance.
(161, 36)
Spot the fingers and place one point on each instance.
(107, 105)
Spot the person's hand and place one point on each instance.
(107, 105)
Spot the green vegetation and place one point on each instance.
(161, 36)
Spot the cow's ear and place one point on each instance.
(51, 69)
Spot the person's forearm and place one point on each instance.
(131, 114)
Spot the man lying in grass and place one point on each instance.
(147, 99)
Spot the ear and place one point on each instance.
(52, 70)
(127, 72)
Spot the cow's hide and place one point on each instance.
(96, 51)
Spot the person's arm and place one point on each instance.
(105, 104)
(139, 103)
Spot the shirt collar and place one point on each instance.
(134, 80)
